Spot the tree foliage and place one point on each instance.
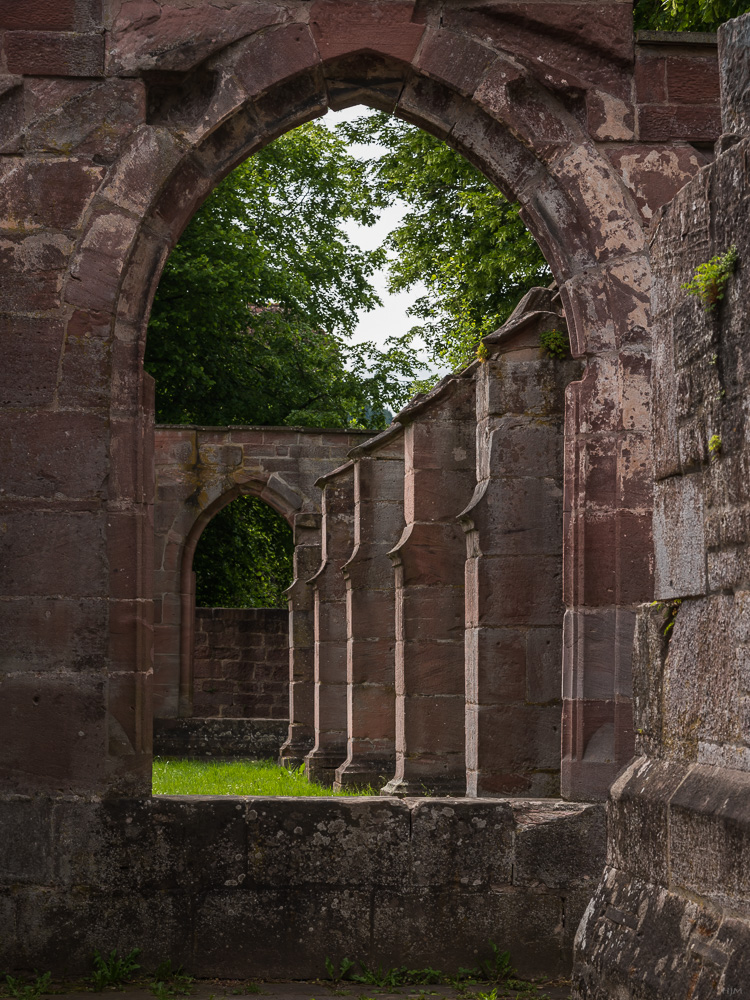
(460, 237)
(244, 557)
(250, 320)
(686, 15)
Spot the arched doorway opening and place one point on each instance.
(525, 135)
(242, 563)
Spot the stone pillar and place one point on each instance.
(370, 611)
(307, 549)
(671, 915)
(514, 534)
(329, 595)
(439, 457)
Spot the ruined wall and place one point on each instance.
(254, 739)
(116, 120)
(271, 887)
(198, 470)
(241, 663)
(671, 917)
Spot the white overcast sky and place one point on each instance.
(390, 319)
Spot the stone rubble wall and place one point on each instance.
(241, 663)
(671, 917)
(268, 888)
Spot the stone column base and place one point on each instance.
(364, 771)
(431, 787)
(321, 764)
(299, 743)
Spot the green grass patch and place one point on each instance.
(237, 777)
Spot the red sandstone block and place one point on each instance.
(30, 193)
(179, 39)
(506, 94)
(373, 714)
(432, 554)
(67, 115)
(543, 662)
(608, 117)
(635, 391)
(598, 456)
(458, 60)
(11, 114)
(31, 350)
(48, 633)
(340, 27)
(561, 44)
(331, 664)
(658, 123)
(47, 53)
(497, 665)
(53, 552)
(433, 446)
(372, 614)
(520, 517)
(596, 399)
(371, 661)
(275, 56)
(692, 80)
(616, 232)
(41, 15)
(149, 159)
(634, 547)
(426, 101)
(516, 740)
(62, 454)
(635, 472)
(650, 79)
(599, 568)
(432, 668)
(34, 270)
(125, 535)
(434, 726)
(86, 361)
(54, 733)
(519, 589)
(126, 711)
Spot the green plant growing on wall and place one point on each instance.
(710, 279)
(554, 343)
(714, 447)
(169, 983)
(29, 991)
(344, 971)
(669, 609)
(482, 352)
(111, 971)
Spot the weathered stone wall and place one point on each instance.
(271, 887)
(198, 471)
(241, 663)
(514, 566)
(253, 739)
(672, 916)
(116, 120)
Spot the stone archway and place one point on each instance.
(542, 103)
(541, 132)
(104, 157)
(198, 472)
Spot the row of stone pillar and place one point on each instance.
(426, 638)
